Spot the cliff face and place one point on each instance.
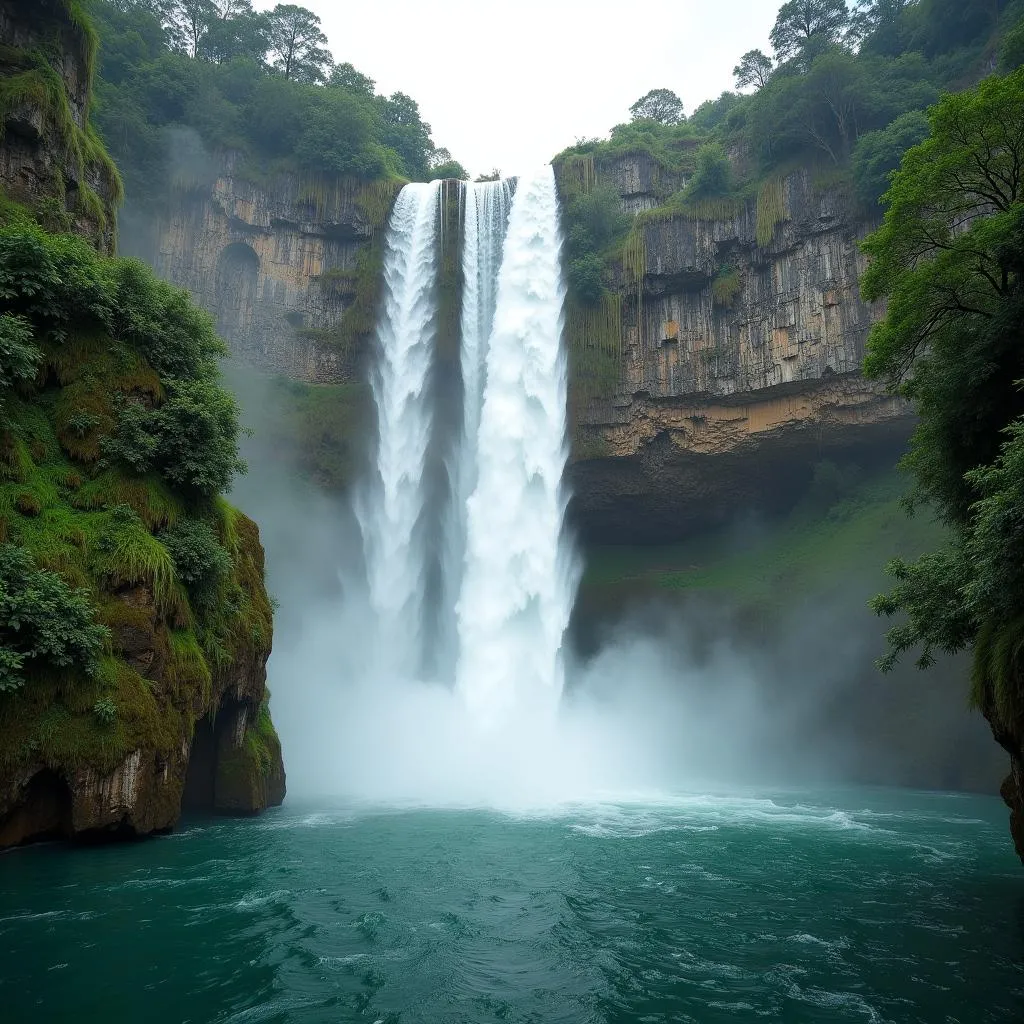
(288, 267)
(184, 740)
(741, 342)
(50, 160)
(174, 711)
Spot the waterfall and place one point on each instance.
(486, 206)
(507, 583)
(518, 588)
(390, 508)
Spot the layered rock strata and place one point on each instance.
(287, 267)
(739, 366)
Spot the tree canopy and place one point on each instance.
(660, 105)
(950, 260)
(181, 80)
(754, 68)
(802, 24)
(298, 47)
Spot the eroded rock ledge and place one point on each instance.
(727, 395)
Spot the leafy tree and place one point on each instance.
(148, 94)
(1011, 54)
(801, 23)
(712, 113)
(227, 9)
(443, 165)
(877, 154)
(188, 21)
(945, 25)
(950, 259)
(406, 133)
(297, 44)
(661, 105)
(335, 131)
(43, 622)
(344, 76)
(243, 36)
(880, 25)
(754, 68)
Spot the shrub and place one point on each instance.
(19, 356)
(200, 560)
(53, 281)
(191, 440)
(105, 710)
(43, 622)
(585, 278)
(713, 176)
(878, 154)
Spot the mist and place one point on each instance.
(660, 697)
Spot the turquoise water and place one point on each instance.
(858, 906)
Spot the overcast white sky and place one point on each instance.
(509, 85)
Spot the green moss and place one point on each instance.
(187, 669)
(594, 341)
(246, 774)
(726, 287)
(53, 721)
(997, 671)
(771, 209)
(39, 87)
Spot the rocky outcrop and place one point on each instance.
(177, 715)
(199, 745)
(50, 160)
(741, 343)
(287, 266)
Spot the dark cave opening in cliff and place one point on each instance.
(200, 793)
(44, 811)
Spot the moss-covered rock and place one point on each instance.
(132, 600)
(51, 159)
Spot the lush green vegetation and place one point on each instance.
(31, 77)
(116, 438)
(179, 81)
(950, 260)
(845, 95)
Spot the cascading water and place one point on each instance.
(507, 581)
(392, 504)
(518, 587)
(486, 211)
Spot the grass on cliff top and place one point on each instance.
(808, 551)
